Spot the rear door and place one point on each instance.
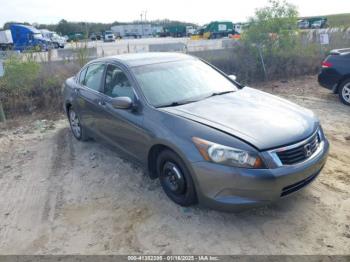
(89, 95)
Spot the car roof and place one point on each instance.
(140, 59)
(344, 51)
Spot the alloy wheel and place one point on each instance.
(75, 124)
(346, 93)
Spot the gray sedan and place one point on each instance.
(207, 138)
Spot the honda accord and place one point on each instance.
(209, 139)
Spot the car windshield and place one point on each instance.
(180, 82)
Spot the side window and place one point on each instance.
(116, 83)
(94, 76)
(82, 76)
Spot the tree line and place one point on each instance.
(65, 27)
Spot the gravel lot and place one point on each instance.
(60, 196)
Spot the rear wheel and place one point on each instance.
(344, 92)
(175, 179)
(75, 125)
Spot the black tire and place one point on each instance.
(172, 170)
(344, 92)
(75, 125)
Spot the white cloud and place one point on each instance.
(197, 11)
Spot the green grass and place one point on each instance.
(338, 20)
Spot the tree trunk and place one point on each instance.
(2, 113)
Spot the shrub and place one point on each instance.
(15, 86)
(19, 75)
(82, 54)
(273, 27)
(272, 40)
(28, 85)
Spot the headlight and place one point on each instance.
(227, 155)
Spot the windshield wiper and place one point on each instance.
(179, 103)
(219, 93)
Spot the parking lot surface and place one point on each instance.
(61, 196)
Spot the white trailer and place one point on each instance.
(6, 41)
(132, 30)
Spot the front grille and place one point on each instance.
(301, 152)
(295, 187)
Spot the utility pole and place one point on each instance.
(141, 24)
(262, 61)
(146, 17)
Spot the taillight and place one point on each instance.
(326, 64)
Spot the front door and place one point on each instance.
(122, 127)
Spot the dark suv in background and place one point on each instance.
(335, 74)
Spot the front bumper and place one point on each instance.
(228, 188)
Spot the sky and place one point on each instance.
(106, 11)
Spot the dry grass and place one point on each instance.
(42, 93)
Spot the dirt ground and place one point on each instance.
(60, 196)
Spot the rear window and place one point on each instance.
(94, 75)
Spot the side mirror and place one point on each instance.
(122, 102)
(233, 77)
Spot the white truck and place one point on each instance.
(109, 36)
(57, 41)
(6, 41)
(190, 30)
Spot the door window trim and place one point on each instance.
(79, 75)
(136, 97)
(120, 66)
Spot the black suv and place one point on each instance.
(335, 74)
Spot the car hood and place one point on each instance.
(263, 120)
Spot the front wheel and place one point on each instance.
(344, 92)
(175, 179)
